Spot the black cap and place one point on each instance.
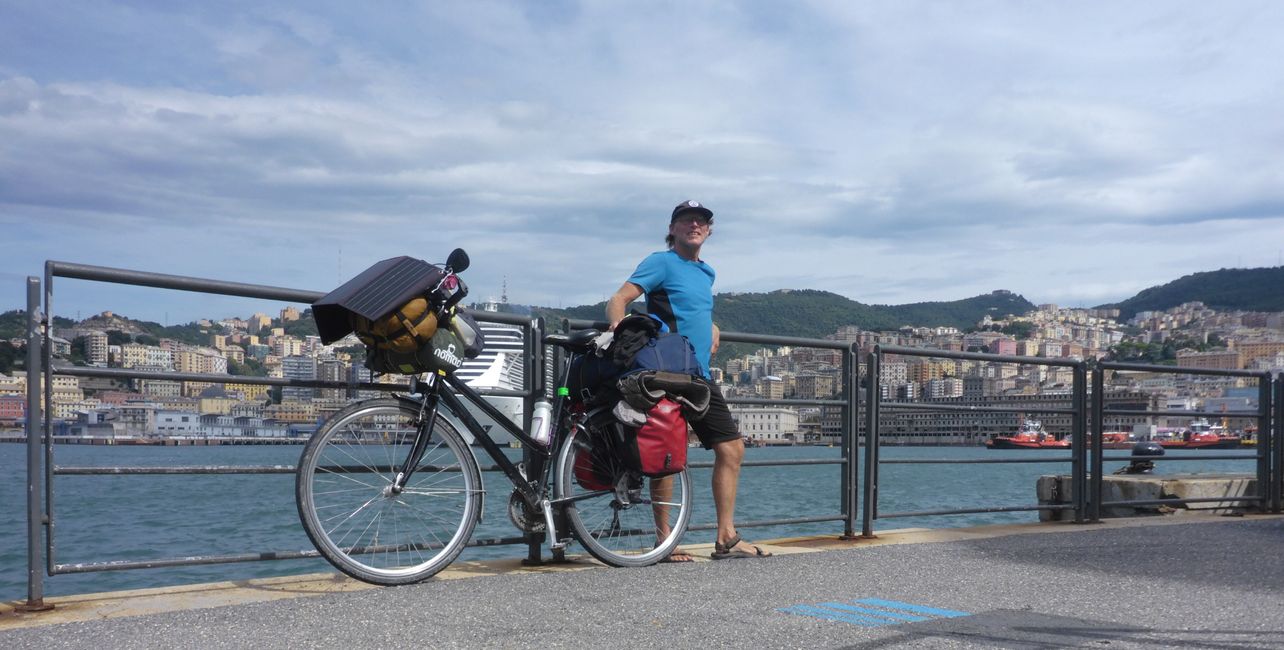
(690, 206)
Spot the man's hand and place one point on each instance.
(717, 336)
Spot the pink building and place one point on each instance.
(1003, 346)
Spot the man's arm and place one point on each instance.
(717, 336)
(616, 306)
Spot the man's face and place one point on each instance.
(691, 228)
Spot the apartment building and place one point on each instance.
(769, 425)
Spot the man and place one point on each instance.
(679, 289)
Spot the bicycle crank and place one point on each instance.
(525, 518)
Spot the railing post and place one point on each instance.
(851, 445)
(35, 572)
(1079, 443)
(873, 370)
(51, 522)
(1096, 427)
(1265, 477)
(1276, 436)
(536, 368)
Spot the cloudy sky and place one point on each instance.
(892, 152)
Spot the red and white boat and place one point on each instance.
(1031, 436)
(1202, 435)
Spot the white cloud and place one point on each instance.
(892, 152)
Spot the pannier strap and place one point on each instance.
(411, 325)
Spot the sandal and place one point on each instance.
(728, 551)
(677, 557)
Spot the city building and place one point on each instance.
(302, 369)
(767, 425)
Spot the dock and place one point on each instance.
(1195, 581)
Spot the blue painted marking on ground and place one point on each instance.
(831, 615)
(878, 613)
(918, 609)
(869, 611)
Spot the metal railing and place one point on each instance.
(848, 403)
(39, 332)
(1087, 476)
(875, 406)
(1086, 473)
(537, 360)
(1266, 472)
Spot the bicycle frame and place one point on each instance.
(532, 490)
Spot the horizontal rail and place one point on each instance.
(772, 522)
(1160, 502)
(1184, 414)
(203, 560)
(737, 337)
(976, 356)
(178, 282)
(1182, 370)
(776, 463)
(220, 287)
(1181, 458)
(113, 373)
(964, 408)
(976, 461)
(974, 511)
(207, 469)
(754, 401)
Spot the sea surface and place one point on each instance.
(106, 518)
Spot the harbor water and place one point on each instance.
(106, 518)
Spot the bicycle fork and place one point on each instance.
(423, 433)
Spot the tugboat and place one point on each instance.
(1031, 436)
(1202, 435)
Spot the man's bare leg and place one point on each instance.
(726, 479)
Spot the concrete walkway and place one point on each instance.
(1191, 581)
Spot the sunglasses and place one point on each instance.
(697, 219)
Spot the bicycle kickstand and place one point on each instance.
(554, 540)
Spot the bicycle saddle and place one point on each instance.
(579, 342)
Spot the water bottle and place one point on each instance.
(542, 422)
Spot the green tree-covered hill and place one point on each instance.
(1260, 289)
(13, 323)
(811, 313)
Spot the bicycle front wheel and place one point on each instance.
(343, 490)
(632, 527)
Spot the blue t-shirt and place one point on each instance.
(680, 292)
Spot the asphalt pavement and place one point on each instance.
(1199, 585)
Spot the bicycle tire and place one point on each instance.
(348, 511)
(611, 531)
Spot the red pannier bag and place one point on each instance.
(659, 447)
(592, 469)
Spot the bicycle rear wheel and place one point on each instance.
(632, 527)
(345, 501)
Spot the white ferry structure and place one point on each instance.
(500, 366)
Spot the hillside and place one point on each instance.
(1260, 289)
(813, 314)
(123, 328)
(13, 323)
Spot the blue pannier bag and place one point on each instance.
(667, 353)
(592, 376)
